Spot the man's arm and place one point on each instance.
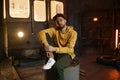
(69, 48)
(45, 37)
(42, 35)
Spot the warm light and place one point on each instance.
(95, 19)
(20, 34)
(56, 7)
(4, 9)
(113, 75)
(19, 8)
(39, 11)
(116, 38)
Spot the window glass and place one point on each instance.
(56, 7)
(4, 8)
(19, 8)
(39, 11)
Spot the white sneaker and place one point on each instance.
(49, 64)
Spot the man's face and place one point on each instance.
(60, 22)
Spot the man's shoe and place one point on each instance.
(49, 64)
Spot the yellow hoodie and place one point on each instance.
(64, 40)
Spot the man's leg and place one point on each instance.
(49, 61)
(63, 60)
(49, 40)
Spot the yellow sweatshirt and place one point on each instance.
(64, 40)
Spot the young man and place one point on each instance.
(62, 52)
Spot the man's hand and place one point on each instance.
(50, 54)
(50, 48)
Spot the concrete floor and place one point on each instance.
(31, 69)
(89, 69)
(93, 70)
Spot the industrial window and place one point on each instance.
(19, 8)
(56, 7)
(39, 11)
(4, 9)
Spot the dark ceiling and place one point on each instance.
(84, 5)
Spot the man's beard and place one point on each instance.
(60, 27)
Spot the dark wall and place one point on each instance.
(98, 36)
(2, 45)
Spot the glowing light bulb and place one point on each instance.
(20, 34)
(95, 19)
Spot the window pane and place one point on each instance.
(56, 7)
(19, 8)
(4, 8)
(39, 11)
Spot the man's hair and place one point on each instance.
(58, 15)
